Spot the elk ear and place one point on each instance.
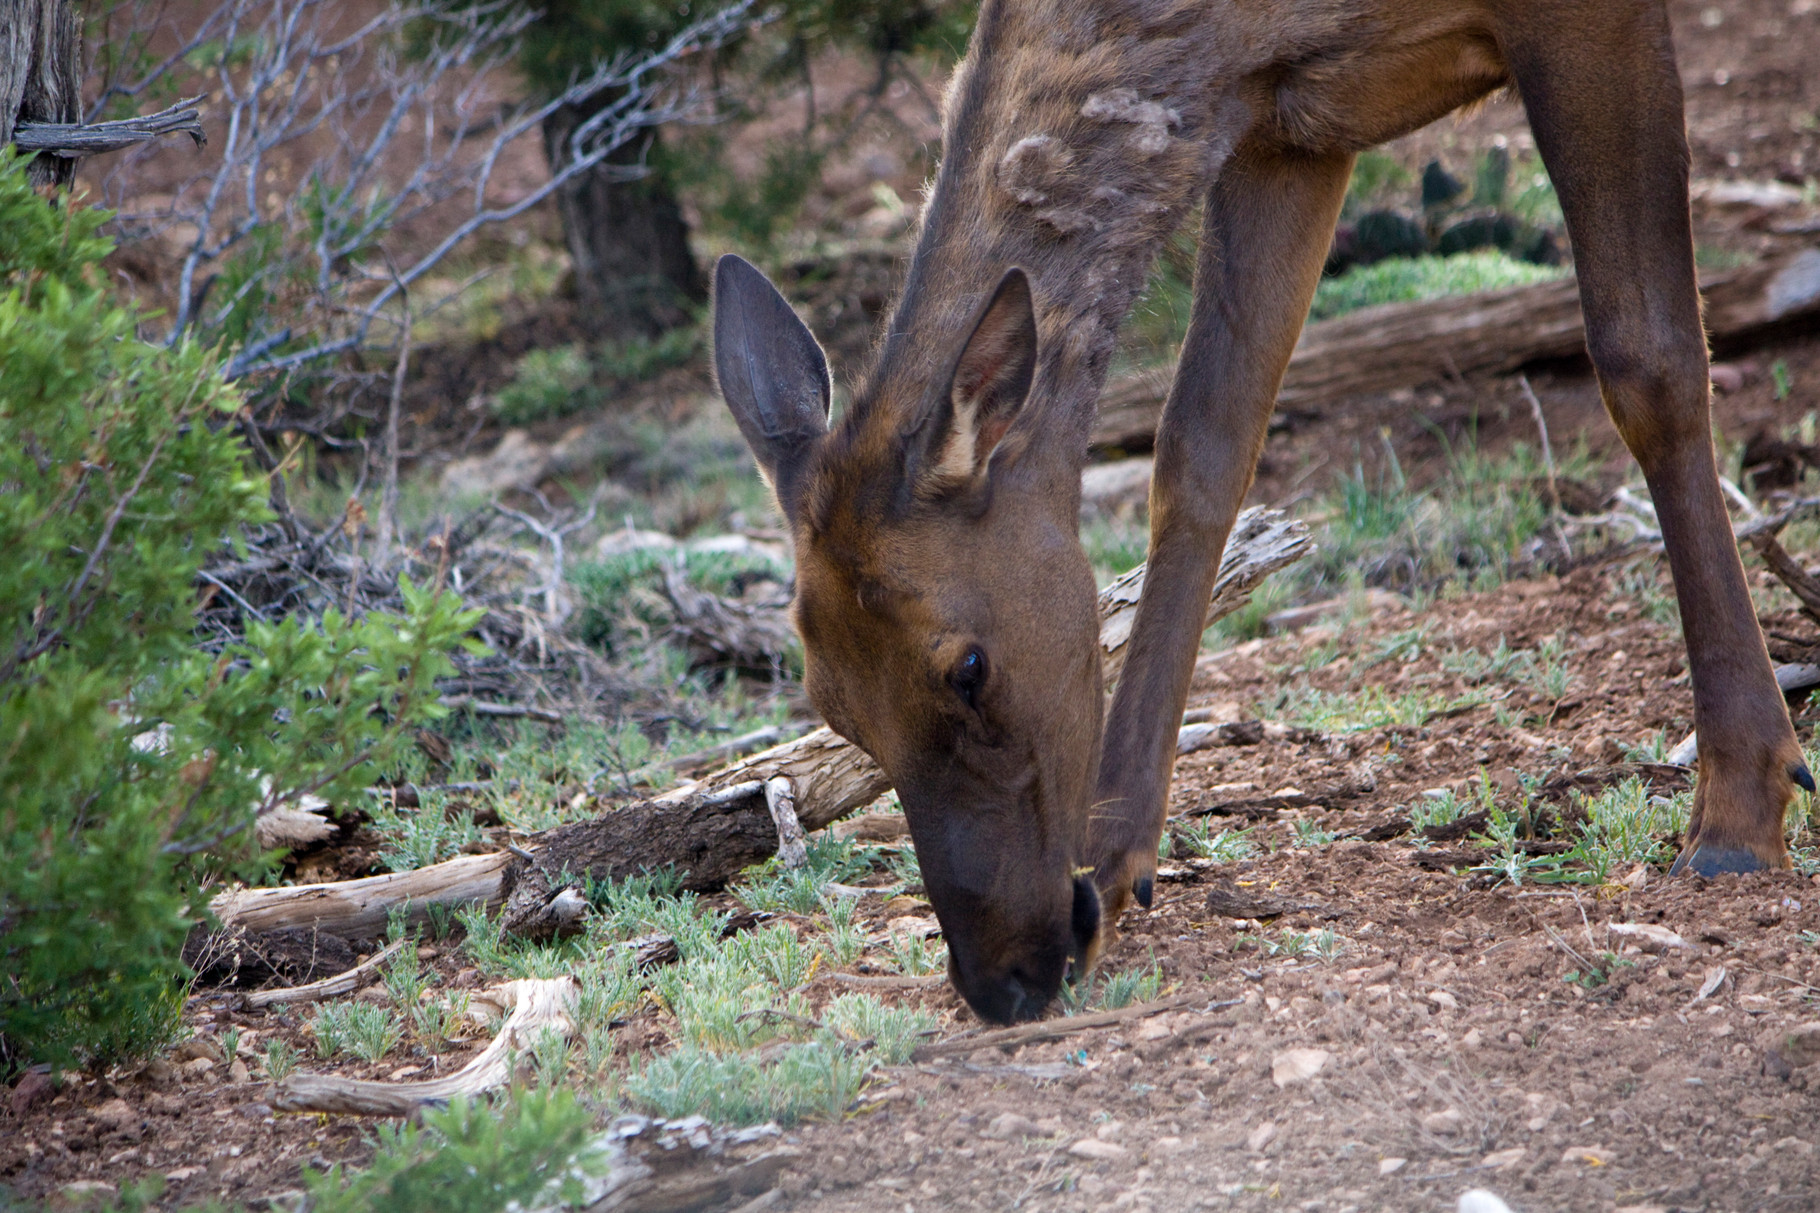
(990, 381)
(772, 374)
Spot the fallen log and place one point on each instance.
(1393, 345)
(537, 1007)
(711, 830)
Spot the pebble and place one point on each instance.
(1100, 1151)
(35, 1088)
(237, 1071)
(116, 1114)
(82, 1193)
(1444, 1123)
(198, 1047)
(1801, 1046)
(1007, 1125)
(1478, 1200)
(1648, 937)
(1293, 1066)
(1390, 1166)
(1473, 1039)
(1592, 1156)
(1498, 1160)
(1261, 1136)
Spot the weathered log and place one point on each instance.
(1393, 345)
(537, 1007)
(712, 830)
(357, 909)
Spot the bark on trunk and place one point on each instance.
(40, 75)
(628, 241)
(1395, 345)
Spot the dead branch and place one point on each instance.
(74, 139)
(357, 908)
(538, 1006)
(329, 987)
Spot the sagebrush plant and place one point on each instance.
(532, 1151)
(136, 761)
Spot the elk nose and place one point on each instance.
(1007, 997)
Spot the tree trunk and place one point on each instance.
(40, 75)
(629, 243)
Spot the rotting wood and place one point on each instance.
(713, 829)
(1054, 1029)
(329, 987)
(537, 1006)
(780, 801)
(1395, 345)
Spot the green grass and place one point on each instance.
(1412, 279)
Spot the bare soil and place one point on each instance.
(1454, 1040)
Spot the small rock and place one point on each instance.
(1099, 1151)
(82, 1193)
(1293, 1066)
(1390, 1166)
(902, 905)
(165, 1105)
(1648, 937)
(1444, 1123)
(177, 1175)
(197, 1047)
(1109, 1130)
(1637, 879)
(1801, 1045)
(35, 1088)
(1444, 1000)
(1727, 378)
(1498, 1160)
(1008, 1125)
(237, 1071)
(196, 1067)
(1472, 1040)
(912, 927)
(1261, 1136)
(1478, 1200)
(1592, 1156)
(116, 1114)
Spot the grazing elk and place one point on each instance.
(945, 605)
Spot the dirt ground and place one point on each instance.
(1453, 1050)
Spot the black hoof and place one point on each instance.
(1804, 778)
(1717, 861)
(1143, 890)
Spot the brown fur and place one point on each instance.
(931, 527)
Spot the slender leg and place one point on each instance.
(1269, 221)
(1606, 109)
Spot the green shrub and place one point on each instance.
(134, 760)
(467, 1158)
(1408, 279)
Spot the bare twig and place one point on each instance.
(1054, 1029)
(328, 987)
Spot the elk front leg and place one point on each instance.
(1269, 222)
(1605, 106)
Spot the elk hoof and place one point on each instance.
(1144, 889)
(1804, 778)
(1719, 861)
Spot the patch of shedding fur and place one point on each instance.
(1153, 119)
(1032, 167)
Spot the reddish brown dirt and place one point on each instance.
(1448, 995)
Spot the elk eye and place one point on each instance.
(969, 676)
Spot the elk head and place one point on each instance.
(947, 615)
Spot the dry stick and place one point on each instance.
(388, 492)
(537, 1007)
(329, 987)
(780, 799)
(1053, 1029)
